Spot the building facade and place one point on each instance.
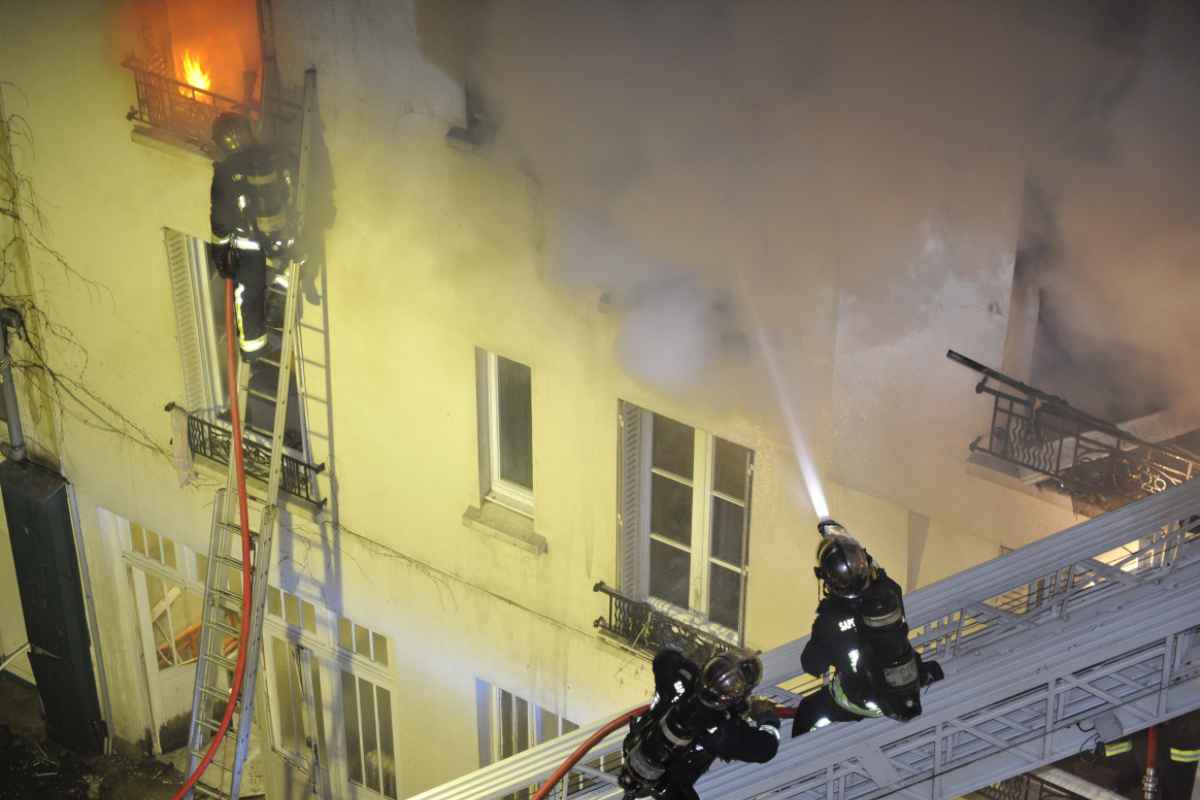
(488, 457)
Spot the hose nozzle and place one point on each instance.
(829, 526)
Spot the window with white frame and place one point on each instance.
(510, 724)
(684, 514)
(198, 295)
(367, 724)
(504, 392)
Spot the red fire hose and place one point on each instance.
(236, 445)
(595, 738)
(1150, 778)
(582, 750)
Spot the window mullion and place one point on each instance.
(702, 472)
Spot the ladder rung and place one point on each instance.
(221, 695)
(229, 527)
(229, 561)
(209, 791)
(225, 594)
(220, 661)
(229, 630)
(270, 398)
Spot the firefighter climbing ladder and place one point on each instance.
(1093, 629)
(223, 583)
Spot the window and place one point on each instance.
(198, 295)
(356, 639)
(295, 611)
(298, 699)
(505, 431)
(684, 517)
(175, 620)
(509, 724)
(367, 723)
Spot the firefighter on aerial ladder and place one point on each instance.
(862, 635)
(252, 196)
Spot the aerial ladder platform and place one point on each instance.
(223, 777)
(1090, 632)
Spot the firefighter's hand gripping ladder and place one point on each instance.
(226, 628)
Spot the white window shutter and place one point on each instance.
(634, 550)
(187, 327)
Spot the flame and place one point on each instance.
(194, 74)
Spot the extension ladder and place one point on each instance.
(223, 584)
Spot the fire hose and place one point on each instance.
(244, 513)
(595, 739)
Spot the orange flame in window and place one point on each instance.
(194, 74)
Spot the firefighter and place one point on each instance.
(697, 716)
(862, 634)
(252, 193)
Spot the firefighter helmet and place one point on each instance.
(232, 132)
(842, 563)
(728, 679)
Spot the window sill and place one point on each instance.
(506, 526)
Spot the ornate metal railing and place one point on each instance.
(1026, 787)
(212, 441)
(644, 628)
(187, 113)
(1101, 466)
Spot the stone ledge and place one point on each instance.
(506, 526)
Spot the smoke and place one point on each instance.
(699, 157)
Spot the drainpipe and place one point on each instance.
(15, 449)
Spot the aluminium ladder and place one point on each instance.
(222, 606)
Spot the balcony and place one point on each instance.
(643, 628)
(1099, 465)
(212, 441)
(171, 111)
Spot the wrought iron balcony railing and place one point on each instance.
(186, 113)
(213, 441)
(1101, 466)
(643, 627)
(1026, 787)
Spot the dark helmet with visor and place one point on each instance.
(232, 132)
(729, 678)
(842, 563)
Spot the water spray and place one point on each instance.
(804, 457)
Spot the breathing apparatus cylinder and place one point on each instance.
(666, 732)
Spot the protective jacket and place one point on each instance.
(251, 195)
(734, 736)
(866, 641)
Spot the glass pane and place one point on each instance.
(731, 470)
(345, 634)
(727, 525)
(366, 707)
(674, 446)
(201, 568)
(381, 653)
(152, 548)
(671, 509)
(287, 700)
(291, 609)
(185, 624)
(516, 422)
(139, 538)
(160, 621)
(724, 596)
(506, 724)
(386, 751)
(274, 605)
(350, 719)
(319, 709)
(669, 572)
(521, 720)
(549, 725)
(168, 552)
(309, 616)
(568, 726)
(362, 641)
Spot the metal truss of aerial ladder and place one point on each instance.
(1099, 621)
